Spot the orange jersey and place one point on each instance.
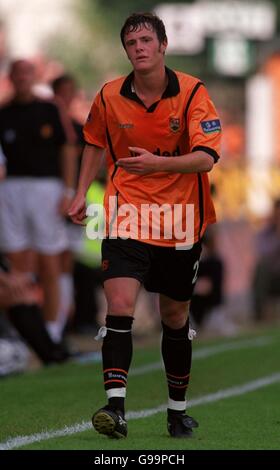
(182, 121)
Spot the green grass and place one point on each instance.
(60, 396)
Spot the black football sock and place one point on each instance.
(176, 351)
(117, 355)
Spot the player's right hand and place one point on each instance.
(77, 210)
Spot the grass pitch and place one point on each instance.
(60, 397)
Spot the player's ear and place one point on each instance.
(163, 47)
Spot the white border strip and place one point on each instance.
(20, 441)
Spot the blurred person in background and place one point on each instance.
(83, 256)
(208, 292)
(88, 273)
(38, 188)
(2, 164)
(162, 134)
(20, 312)
(14, 355)
(266, 279)
(65, 89)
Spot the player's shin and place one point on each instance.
(177, 357)
(116, 355)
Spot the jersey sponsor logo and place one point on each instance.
(213, 125)
(174, 124)
(126, 125)
(165, 153)
(46, 131)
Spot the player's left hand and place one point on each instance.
(143, 164)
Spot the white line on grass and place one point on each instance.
(202, 353)
(20, 441)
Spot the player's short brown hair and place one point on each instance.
(136, 20)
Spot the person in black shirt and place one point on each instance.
(38, 187)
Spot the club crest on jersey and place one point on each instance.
(174, 124)
(213, 125)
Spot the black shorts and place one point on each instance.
(164, 270)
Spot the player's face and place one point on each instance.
(143, 49)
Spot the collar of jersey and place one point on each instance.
(172, 89)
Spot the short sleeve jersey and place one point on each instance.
(182, 121)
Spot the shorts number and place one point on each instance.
(195, 268)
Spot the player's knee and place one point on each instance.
(175, 321)
(175, 317)
(120, 305)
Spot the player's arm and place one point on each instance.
(64, 138)
(204, 134)
(194, 162)
(95, 137)
(69, 169)
(146, 162)
(91, 162)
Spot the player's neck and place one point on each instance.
(150, 84)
